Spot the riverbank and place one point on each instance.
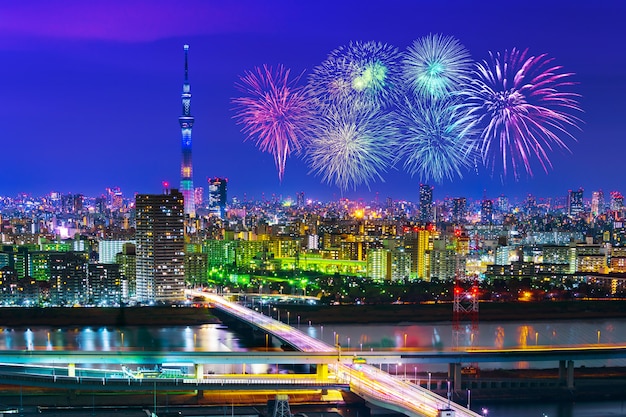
(327, 314)
(105, 316)
(441, 312)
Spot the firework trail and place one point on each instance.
(361, 74)
(436, 65)
(353, 147)
(274, 111)
(520, 109)
(435, 139)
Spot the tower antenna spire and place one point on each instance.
(186, 124)
(186, 65)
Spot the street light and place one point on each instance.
(288, 315)
(484, 411)
(429, 381)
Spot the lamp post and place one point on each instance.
(429, 381)
(288, 316)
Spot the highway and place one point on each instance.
(369, 382)
(311, 357)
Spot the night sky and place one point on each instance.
(90, 91)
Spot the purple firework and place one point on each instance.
(275, 111)
(520, 109)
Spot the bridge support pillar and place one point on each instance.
(454, 374)
(570, 374)
(322, 371)
(562, 371)
(71, 369)
(199, 370)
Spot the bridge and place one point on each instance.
(368, 382)
(57, 368)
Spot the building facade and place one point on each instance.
(160, 247)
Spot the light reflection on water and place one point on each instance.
(442, 336)
(431, 336)
(209, 337)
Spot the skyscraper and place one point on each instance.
(597, 203)
(426, 203)
(160, 247)
(217, 196)
(486, 211)
(459, 209)
(575, 202)
(186, 124)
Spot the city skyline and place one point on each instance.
(91, 92)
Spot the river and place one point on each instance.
(431, 336)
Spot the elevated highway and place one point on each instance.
(369, 382)
(332, 356)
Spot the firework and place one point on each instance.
(274, 111)
(350, 148)
(435, 139)
(361, 74)
(520, 109)
(436, 65)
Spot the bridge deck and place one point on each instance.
(366, 381)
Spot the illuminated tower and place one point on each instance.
(186, 124)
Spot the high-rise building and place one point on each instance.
(419, 244)
(597, 203)
(575, 202)
(68, 278)
(217, 196)
(160, 247)
(186, 124)
(108, 249)
(617, 201)
(426, 203)
(379, 264)
(127, 261)
(486, 211)
(503, 204)
(459, 209)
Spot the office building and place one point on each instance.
(217, 196)
(575, 203)
(426, 203)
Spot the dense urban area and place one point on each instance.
(67, 250)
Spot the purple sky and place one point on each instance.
(90, 91)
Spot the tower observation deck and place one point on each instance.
(186, 124)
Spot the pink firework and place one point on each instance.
(275, 112)
(521, 104)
